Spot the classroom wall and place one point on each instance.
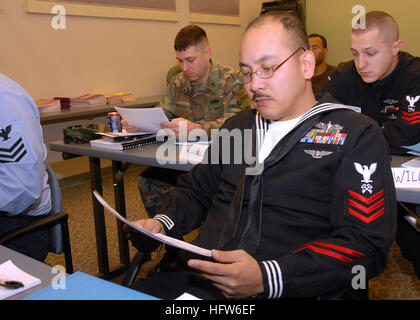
(332, 18)
(102, 55)
(107, 55)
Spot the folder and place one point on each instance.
(82, 286)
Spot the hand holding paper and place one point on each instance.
(144, 119)
(157, 236)
(181, 127)
(141, 241)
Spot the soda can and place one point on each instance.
(114, 121)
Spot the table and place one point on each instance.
(94, 111)
(29, 265)
(53, 122)
(79, 285)
(145, 155)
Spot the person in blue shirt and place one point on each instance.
(24, 191)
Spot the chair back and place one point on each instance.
(56, 232)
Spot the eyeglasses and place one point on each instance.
(263, 72)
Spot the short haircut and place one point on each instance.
(188, 36)
(317, 35)
(382, 21)
(291, 23)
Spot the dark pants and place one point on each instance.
(155, 185)
(33, 244)
(408, 239)
(170, 282)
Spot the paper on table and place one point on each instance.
(9, 271)
(415, 149)
(157, 236)
(413, 163)
(145, 119)
(187, 296)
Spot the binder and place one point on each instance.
(129, 142)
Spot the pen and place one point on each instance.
(11, 284)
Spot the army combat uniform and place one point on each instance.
(209, 105)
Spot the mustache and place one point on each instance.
(258, 95)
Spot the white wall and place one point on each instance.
(101, 54)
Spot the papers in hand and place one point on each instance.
(145, 119)
(10, 272)
(157, 236)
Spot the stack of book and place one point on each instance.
(64, 102)
(87, 100)
(119, 97)
(125, 140)
(48, 105)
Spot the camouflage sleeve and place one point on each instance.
(234, 101)
(168, 102)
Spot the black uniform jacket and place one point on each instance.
(394, 102)
(314, 212)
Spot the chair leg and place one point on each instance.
(134, 268)
(67, 246)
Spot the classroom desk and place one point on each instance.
(78, 286)
(145, 155)
(95, 111)
(29, 265)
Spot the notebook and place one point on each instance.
(10, 272)
(129, 142)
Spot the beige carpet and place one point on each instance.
(397, 282)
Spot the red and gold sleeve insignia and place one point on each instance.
(365, 194)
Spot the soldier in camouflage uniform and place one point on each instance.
(208, 105)
(203, 95)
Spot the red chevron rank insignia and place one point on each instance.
(411, 117)
(366, 209)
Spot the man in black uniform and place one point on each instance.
(318, 45)
(314, 199)
(381, 80)
(385, 83)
